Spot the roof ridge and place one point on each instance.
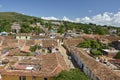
(58, 65)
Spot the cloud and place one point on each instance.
(77, 20)
(66, 19)
(50, 18)
(86, 20)
(54, 18)
(107, 18)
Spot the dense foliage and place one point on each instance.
(117, 56)
(87, 28)
(5, 26)
(25, 28)
(7, 19)
(73, 74)
(17, 17)
(33, 48)
(90, 44)
(95, 52)
(96, 46)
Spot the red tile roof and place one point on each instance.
(25, 49)
(73, 42)
(30, 42)
(20, 67)
(13, 51)
(115, 61)
(11, 43)
(113, 38)
(51, 64)
(98, 69)
(49, 43)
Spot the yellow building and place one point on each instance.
(19, 77)
(23, 36)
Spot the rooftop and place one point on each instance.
(42, 65)
(100, 70)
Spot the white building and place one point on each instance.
(93, 69)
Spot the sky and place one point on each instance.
(103, 12)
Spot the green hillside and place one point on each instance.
(13, 16)
(7, 18)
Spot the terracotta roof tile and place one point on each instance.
(49, 43)
(100, 70)
(13, 51)
(25, 49)
(115, 61)
(73, 42)
(30, 42)
(51, 65)
(11, 43)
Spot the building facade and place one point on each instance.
(93, 69)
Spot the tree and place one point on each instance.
(60, 30)
(25, 28)
(5, 26)
(73, 74)
(95, 44)
(41, 21)
(86, 44)
(33, 48)
(95, 52)
(100, 30)
(117, 56)
(89, 44)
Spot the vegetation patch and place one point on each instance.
(117, 56)
(95, 52)
(33, 48)
(90, 44)
(73, 74)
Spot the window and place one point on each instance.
(33, 78)
(22, 78)
(97, 78)
(45, 79)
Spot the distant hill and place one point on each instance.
(13, 16)
(8, 18)
(25, 21)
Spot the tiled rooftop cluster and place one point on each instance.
(73, 42)
(98, 69)
(42, 65)
(13, 43)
